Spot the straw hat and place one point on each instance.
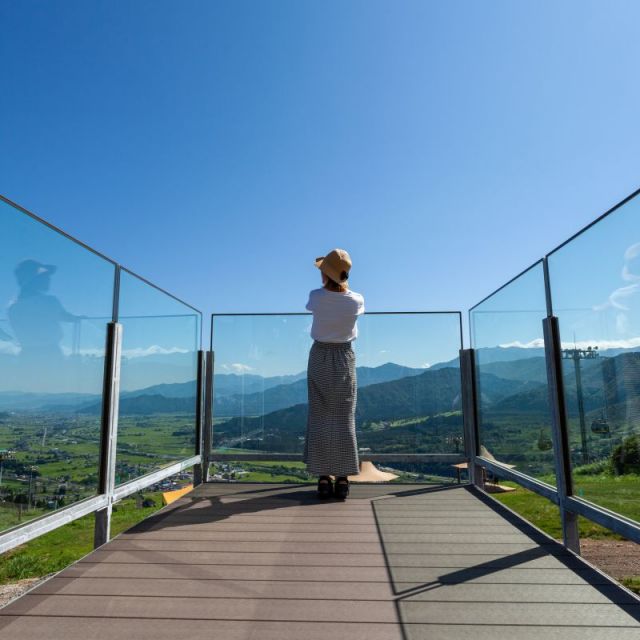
(335, 265)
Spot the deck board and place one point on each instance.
(393, 562)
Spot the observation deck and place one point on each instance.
(240, 561)
(107, 392)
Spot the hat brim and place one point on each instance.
(333, 276)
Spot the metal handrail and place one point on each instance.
(571, 506)
(108, 492)
(217, 455)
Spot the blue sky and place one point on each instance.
(595, 286)
(279, 345)
(216, 148)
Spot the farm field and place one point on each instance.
(54, 457)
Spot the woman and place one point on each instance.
(330, 444)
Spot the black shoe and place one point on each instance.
(341, 489)
(325, 488)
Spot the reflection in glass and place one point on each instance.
(161, 338)
(36, 316)
(514, 418)
(595, 285)
(408, 391)
(55, 300)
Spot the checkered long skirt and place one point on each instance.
(330, 444)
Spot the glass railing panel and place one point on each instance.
(409, 399)
(161, 338)
(408, 391)
(595, 286)
(513, 412)
(57, 298)
(260, 386)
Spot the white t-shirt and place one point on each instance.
(335, 315)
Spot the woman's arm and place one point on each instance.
(309, 305)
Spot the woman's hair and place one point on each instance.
(332, 285)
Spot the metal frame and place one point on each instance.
(155, 286)
(506, 284)
(444, 458)
(108, 431)
(559, 431)
(600, 218)
(367, 313)
(37, 218)
(208, 414)
(528, 482)
(470, 415)
(214, 456)
(570, 505)
(75, 240)
(22, 533)
(200, 393)
(108, 493)
(133, 486)
(619, 524)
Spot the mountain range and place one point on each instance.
(431, 393)
(506, 384)
(286, 395)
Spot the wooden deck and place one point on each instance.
(270, 562)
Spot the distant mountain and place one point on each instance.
(156, 369)
(486, 355)
(610, 384)
(607, 382)
(430, 393)
(455, 363)
(148, 404)
(168, 390)
(526, 370)
(287, 395)
(227, 384)
(384, 373)
(427, 394)
(21, 401)
(278, 392)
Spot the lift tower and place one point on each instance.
(576, 355)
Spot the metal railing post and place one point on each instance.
(559, 422)
(470, 414)
(109, 431)
(559, 432)
(208, 414)
(200, 381)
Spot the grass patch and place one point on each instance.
(10, 515)
(55, 550)
(545, 515)
(632, 583)
(616, 493)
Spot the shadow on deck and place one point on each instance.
(239, 561)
